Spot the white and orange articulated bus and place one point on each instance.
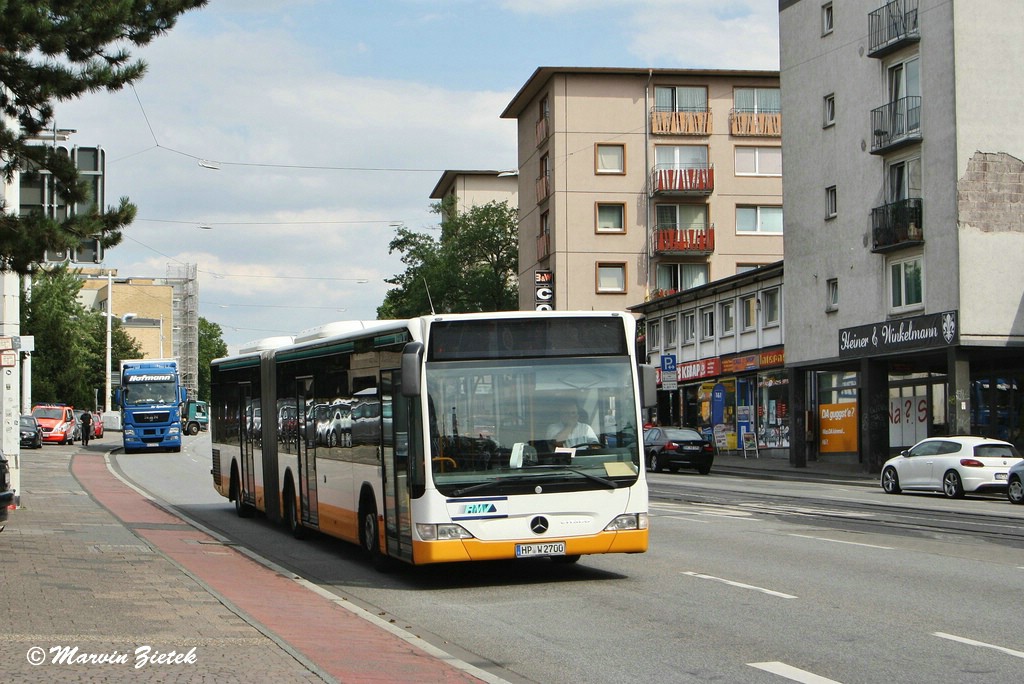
(443, 438)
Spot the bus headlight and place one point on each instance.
(628, 521)
(443, 532)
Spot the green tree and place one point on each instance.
(473, 266)
(52, 51)
(211, 346)
(69, 361)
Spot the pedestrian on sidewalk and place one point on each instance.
(86, 427)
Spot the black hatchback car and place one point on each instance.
(31, 432)
(6, 493)
(676, 448)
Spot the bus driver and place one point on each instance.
(570, 431)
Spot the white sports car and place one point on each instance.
(951, 465)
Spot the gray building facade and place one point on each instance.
(904, 236)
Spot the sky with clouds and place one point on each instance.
(326, 122)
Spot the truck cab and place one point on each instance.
(195, 416)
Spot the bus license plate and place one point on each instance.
(545, 549)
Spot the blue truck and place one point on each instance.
(150, 399)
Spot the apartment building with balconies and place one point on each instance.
(639, 183)
(904, 235)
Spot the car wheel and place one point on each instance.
(1015, 491)
(704, 469)
(891, 481)
(653, 464)
(332, 439)
(952, 486)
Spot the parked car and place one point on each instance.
(1015, 483)
(60, 425)
(951, 465)
(31, 432)
(97, 424)
(676, 448)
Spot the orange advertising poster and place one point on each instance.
(837, 428)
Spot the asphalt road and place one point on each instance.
(746, 581)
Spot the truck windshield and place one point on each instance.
(144, 393)
(516, 426)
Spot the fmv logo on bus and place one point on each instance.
(477, 508)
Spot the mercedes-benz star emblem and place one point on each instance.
(539, 525)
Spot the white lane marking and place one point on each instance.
(841, 541)
(792, 673)
(972, 642)
(741, 585)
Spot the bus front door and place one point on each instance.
(397, 420)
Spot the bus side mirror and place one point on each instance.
(412, 361)
(648, 386)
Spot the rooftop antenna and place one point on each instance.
(429, 300)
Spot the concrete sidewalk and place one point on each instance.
(825, 470)
(93, 571)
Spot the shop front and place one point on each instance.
(739, 402)
(897, 382)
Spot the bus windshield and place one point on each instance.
(525, 426)
(144, 393)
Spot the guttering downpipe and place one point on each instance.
(647, 166)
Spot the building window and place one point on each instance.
(707, 323)
(743, 268)
(611, 218)
(827, 19)
(544, 178)
(680, 277)
(680, 99)
(904, 179)
(610, 159)
(759, 220)
(611, 278)
(748, 305)
(770, 307)
(830, 202)
(682, 216)
(688, 327)
(653, 335)
(758, 161)
(670, 333)
(681, 156)
(906, 284)
(757, 100)
(829, 113)
(727, 317)
(832, 294)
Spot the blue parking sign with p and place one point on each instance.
(668, 363)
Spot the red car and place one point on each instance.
(58, 422)
(97, 424)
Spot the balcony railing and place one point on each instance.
(542, 130)
(666, 121)
(896, 225)
(543, 187)
(748, 123)
(543, 245)
(892, 26)
(683, 180)
(673, 240)
(896, 124)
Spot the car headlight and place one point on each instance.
(628, 521)
(443, 532)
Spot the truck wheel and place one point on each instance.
(193, 429)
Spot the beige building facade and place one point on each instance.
(636, 184)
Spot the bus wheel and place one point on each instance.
(243, 510)
(291, 514)
(370, 534)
